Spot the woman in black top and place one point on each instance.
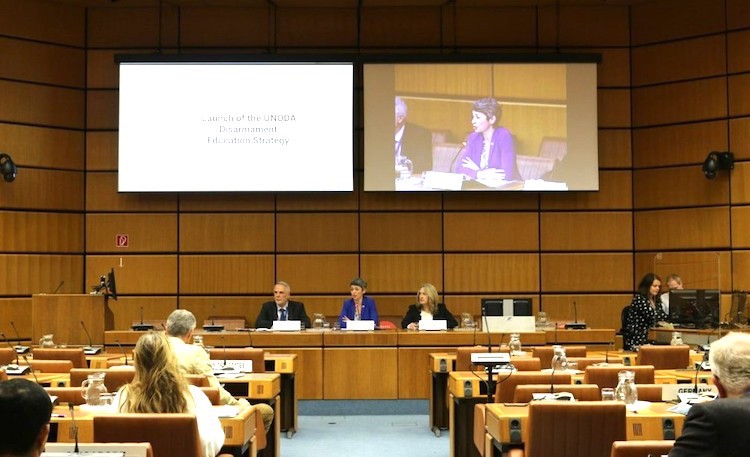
(427, 307)
(645, 312)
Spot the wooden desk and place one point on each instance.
(239, 431)
(285, 365)
(260, 387)
(360, 365)
(686, 376)
(441, 363)
(653, 423)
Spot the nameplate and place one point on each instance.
(221, 366)
(670, 392)
(287, 326)
(434, 324)
(443, 181)
(360, 326)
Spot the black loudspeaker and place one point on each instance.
(514, 429)
(667, 426)
(627, 361)
(443, 366)
(467, 389)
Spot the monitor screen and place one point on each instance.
(233, 126)
(481, 126)
(694, 308)
(506, 307)
(111, 285)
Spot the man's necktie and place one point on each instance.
(283, 314)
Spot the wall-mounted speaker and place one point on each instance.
(468, 391)
(514, 429)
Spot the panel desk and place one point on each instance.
(239, 431)
(286, 366)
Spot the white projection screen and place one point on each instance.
(235, 126)
(545, 127)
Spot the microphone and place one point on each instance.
(213, 326)
(123, 351)
(575, 325)
(90, 349)
(697, 370)
(142, 326)
(9, 345)
(453, 162)
(75, 427)
(14, 369)
(552, 379)
(59, 286)
(25, 359)
(606, 353)
(19, 349)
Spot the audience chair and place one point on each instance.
(607, 376)
(113, 379)
(7, 355)
(649, 392)
(545, 353)
(526, 363)
(213, 394)
(463, 357)
(256, 355)
(69, 395)
(581, 392)
(51, 366)
(387, 325)
(643, 448)
(169, 434)
(75, 355)
(581, 429)
(584, 362)
(3, 375)
(664, 357)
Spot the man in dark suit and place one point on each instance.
(719, 427)
(412, 141)
(281, 308)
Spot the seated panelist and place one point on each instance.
(281, 308)
(359, 307)
(427, 308)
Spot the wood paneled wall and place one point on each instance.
(670, 91)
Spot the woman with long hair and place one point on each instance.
(427, 308)
(159, 387)
(645, 312)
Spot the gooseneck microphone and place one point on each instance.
(75, 427)
(9, 345)
(453, 162)
(17, 369)
(59, 286)
(124, 354)
(19, 349)
(606, 352)
(90, 349)
(25, 359)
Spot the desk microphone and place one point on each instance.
(59, 286)
(552, 378)
(213, 326)
(142, 326)
(9, 345)
(453, 162)
(90, 350)
(10, 369)
(25, 359)
(697, 370)
(75, 427)
(19, 349)
(606, 353)
(224, 351)
(123, 351)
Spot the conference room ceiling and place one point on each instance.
(345, 3)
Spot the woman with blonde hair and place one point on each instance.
(427, 308)
(159, 387)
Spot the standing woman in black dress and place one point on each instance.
(645, 311)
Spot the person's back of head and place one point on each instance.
(25, 411)
(180, 322)
(730, 364)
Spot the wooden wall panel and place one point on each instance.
(394, 307)
(230, 27)
(41, 232)
(666, 20)
(675, 61)
(402, 273)
(704, 99)
(739, 93)
(393, 201)
(133, 27)
(572, 272)
(44, 190)
(739, 138)
(740, 227)
(43, 21)
(328, 305)
(614, 70)
(389, 232)
(598, 311)
(216, 274)
(52, 107)
(496, 273)
(694, 228)
(737, 59)
(613, 108)
(485, 232)
(26, 274)
(478, 26)
(595, 231)
(102, 195)
(146, 232)
(101, 109)
(678, 144)
(227, 202)
(31, 146)
(101, 151)
(317, 27)
(698, 270)
(615, 149)
(316, 232)
(738, 14)
(740, 185)
(491, 201)
(316, 273)
(102, 72)
(317, 201)
(41, 63)
(221, 232)
(582, 26)
(400, 26)
(741, 270)
(615, 193)
(246, 307)
(135, 274)
(18, 311)
(678, 187)
(127, 310)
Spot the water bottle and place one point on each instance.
(676, 339)
(626, 390)
(559, 360)
(515, 344)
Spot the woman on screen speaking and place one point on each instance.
(427, 308)
(645, 312)
(488, 153)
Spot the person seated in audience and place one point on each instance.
(427, 308)
(489, 152)
(359, 307)
(719, 428)
(25, 411)
(159, 387)
(281, 308)
(645, 312)
(193, 359)
(412, 141)
(673, 282)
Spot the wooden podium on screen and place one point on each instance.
(61, 315)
